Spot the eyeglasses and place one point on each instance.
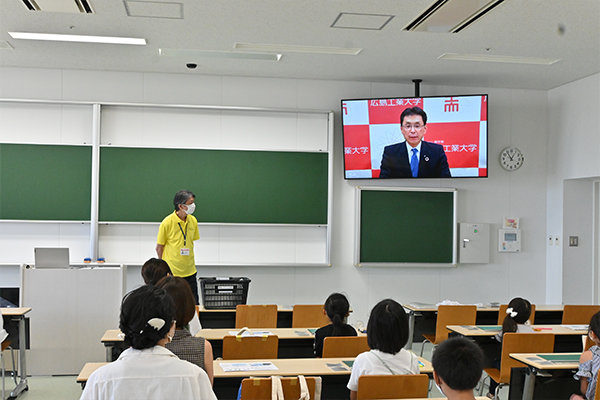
(409, 126)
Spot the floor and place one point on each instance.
(65, 387)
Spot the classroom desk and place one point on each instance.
(226, 318)
(537, 362)
(565, 340)
(486, 315)
(226, 384)
(491, 330)
(293, 342)
(18, 314)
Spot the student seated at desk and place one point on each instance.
(153, 271)
(147, 370)
(196, 350)
(387, 334)
(457, 367)
(337, 309)
(589, 363)
(518, 312)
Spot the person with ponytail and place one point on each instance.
(337, 309)
(147, 370)
(518, 312)
(589, 363)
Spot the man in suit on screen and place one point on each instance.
(414, 157)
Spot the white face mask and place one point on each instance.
(438, 387)
(190, 208)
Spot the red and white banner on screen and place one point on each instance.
(458, 123)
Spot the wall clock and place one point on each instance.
(511, 158)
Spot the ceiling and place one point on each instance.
(567, 30)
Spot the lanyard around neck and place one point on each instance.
(183, 233)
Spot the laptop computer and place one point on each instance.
(51, 257)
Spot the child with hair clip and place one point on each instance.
(337, 309)
(589, 363)
(387, 334)
(516, 320)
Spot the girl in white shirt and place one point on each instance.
(147, 370)
(387, 334)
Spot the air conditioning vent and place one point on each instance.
(451, 15)
(65, 6)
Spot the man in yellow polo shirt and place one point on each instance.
(175, 241)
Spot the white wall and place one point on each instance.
(516, 117)
(573, 148)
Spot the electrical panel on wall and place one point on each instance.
(474, 243)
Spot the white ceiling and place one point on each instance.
(564, 29)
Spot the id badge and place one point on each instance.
(184, 252)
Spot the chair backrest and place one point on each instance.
(502, 313)
(453, 315)
(256, 316)
(522, 343)
(260, 388)
(309, 316)
(578, 315)
(597, 394)
(344, 346)
(250, 347)
(392, 386)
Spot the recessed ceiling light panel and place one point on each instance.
(191, 54)
(291, 48)
(77, 38)
(498, 59)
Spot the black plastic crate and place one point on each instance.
(223, 293)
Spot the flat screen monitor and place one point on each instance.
(451, 143)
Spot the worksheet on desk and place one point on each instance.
(253, 366)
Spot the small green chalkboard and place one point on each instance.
(349, 363)
(312, 330)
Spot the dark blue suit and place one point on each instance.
(432, 161)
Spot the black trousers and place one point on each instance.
(193, 282)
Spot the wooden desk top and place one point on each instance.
(87, 370)
(297, 366)
(15, 311)
(536, 361)
(112, 335)
(201, 308)
(287, 366)
(282, 333)
(423, 307)
(479, 330)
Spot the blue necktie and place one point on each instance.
(414, 163)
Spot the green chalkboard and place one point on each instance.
(138, 184)
(45, 182)
(399, 226)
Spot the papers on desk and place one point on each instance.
(252, 366)
(251, 333)
(576, 327)
(339, 367)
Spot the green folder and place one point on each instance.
(560, 357)
(349, 363)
